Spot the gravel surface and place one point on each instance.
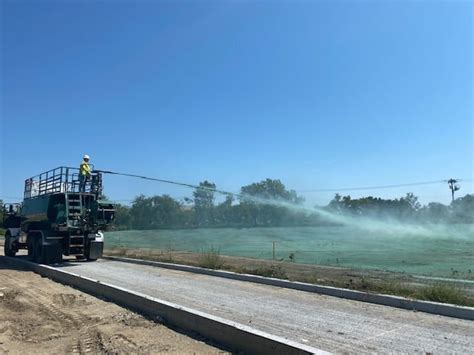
(328, 323)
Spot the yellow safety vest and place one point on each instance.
(85, 169)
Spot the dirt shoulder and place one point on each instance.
(40, 316)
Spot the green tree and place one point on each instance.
(123, 218)
(141, 213)
(336, 204)
(204, 197)
(224, 212)
(404, 208)
(270, 189)
(434, 212)
(156, 212)
(462, 209)
(267, 203)
(166, 212)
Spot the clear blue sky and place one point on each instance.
(319, 94)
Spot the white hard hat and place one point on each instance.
(86, 157)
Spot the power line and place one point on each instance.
(385, 186)
(377, 187)
(171, 182)
(313, 190)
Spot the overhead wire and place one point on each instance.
(172, 182)
(376, 187)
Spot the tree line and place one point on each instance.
(252, 208)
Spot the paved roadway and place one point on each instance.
(328, 323)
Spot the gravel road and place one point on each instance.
(328, 323)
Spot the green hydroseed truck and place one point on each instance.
(56, 219)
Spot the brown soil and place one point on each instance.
(40, 316)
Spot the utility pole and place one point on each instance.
(453, 186)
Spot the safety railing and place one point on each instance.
(58, 180)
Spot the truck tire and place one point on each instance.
(38, 255)
(7, 247)
(31, 248)
(57, 255)
(52, 254)
(46, 254)
(94, 250)
(87, 254)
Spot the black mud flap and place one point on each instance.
(96, 250)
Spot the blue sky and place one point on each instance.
(319, 94)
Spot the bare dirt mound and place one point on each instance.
(38, 315)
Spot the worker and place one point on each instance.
(84, 173)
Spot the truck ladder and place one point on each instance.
(76, 243)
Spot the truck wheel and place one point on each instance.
(31, 249)
(47, 254)
(38, 253)
(7, 248)
(87, 254)
(57, 255)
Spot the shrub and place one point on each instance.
(442, 293)
(211, 259)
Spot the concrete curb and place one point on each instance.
(232, 335)
(442, 309)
